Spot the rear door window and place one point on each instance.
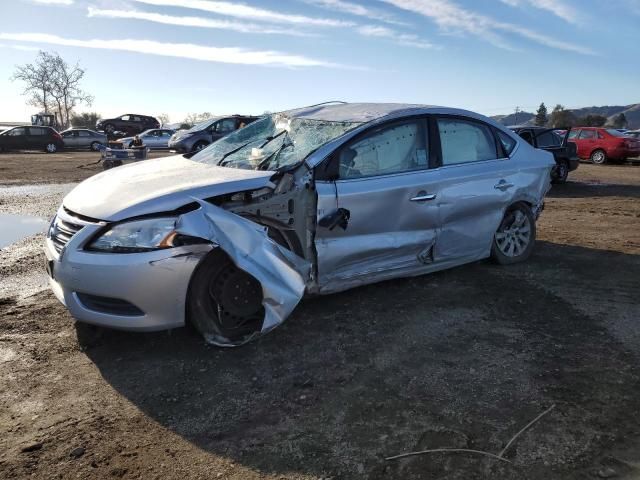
(587, 134)
(508, 143)
(37, 131)
(84, 133)
(548, 140)
(464, 141)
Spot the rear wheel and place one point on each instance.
(224, 302)
(561, 173)
(516, 235)
(51, 148)
(599, 157)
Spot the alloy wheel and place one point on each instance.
(51, 147)
(514, 235)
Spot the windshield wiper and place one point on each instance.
(286, 142)
(231, 152)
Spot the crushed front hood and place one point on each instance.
(154, 186)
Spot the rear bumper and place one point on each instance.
(154, 284)
(574, 163)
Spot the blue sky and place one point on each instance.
(183, 56)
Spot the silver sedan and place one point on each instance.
(155, 138)
(83, 138)
(309, 201)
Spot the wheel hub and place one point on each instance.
(513, 237)
(240, 294)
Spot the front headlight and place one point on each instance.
(137, 236)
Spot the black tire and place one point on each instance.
(109, 128)
(199, 146)
(512, 232)
(561, 172)
(51, 147)
(598, 157)
(224, 303)
(94, 146)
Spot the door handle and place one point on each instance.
(422, 197)
(502, 185)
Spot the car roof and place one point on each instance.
(355, 112)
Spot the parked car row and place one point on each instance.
(603, 144)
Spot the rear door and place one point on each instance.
(151, 139)
(477, 180)
(38, 137)
(586, 142)
(384, 185)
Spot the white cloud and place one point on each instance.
(239, 10)
(408, 40)
(53, 2)
(351, 8)
(232, 55)
(454, 19)
(556, 7)
(243, 27)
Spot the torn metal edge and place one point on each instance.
(281, 273)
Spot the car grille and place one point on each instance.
(64, 226)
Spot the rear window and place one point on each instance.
(587, 134)
(615, 133)
(508, 143)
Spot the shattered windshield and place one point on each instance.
(272, 142)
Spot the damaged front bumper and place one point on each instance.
(147, 291)
(135, 292)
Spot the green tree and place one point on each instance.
(620, 121)
(561, 118)
(591, 121)
(541, 115)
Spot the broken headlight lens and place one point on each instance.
(137, 236)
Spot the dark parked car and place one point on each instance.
(31, 138)
(83, 138)
(130, 123)
(207, 132)
(564, 153)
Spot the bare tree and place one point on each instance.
(53, 85)
(37, 77)
(194, 118)
(163, 118)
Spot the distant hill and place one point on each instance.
(632, 112)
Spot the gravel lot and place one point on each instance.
(463, 358)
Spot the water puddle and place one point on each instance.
(16, 227)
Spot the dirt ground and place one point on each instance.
(19, 168)
(463, 358)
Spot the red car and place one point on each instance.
(602, 144)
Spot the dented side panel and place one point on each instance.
(387, 230)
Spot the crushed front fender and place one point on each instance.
(281, 273)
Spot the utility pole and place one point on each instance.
(517, 112)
